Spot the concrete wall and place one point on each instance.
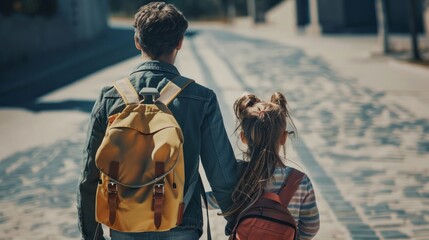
(399, 16)
(361, 15)
(347, 16)
(331, 14)
(24, 37)
(358, 16)
(302, 13)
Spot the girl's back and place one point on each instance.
(263, 129)
(303, 205)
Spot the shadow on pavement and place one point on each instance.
(77, 105)
(42, 181)
(23, 83)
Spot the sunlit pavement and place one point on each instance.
(363, 143)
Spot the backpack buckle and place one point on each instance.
(158, 203)
(112, 201)
(112, 187)
(159, 188)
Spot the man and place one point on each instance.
(159, 34)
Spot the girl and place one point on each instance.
(263, 129)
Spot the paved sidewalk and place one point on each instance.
(363, 121)
(363, 130)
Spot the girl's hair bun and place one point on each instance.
(280, 100)
(245, 101)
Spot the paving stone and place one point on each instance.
(393, 234)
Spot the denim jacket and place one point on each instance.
(196, 109)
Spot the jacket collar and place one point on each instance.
(155, 65)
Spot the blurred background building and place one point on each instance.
(32, 27)
(29, 28)
(345, 16)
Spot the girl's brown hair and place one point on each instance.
(262, 124)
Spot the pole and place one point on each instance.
(251, 9)
(383, 24)
(412, 7)
(426, 18)
(231, 10)
(260, 6)
(314, 26)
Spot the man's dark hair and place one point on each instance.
(159, 28)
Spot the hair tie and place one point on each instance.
(261, 114)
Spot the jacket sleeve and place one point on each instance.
(211, 201)
(309, 223)
(218, 157)
(90, 174)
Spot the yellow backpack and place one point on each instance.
(141, 163)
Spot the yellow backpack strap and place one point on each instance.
(127, 91)
(172, 89)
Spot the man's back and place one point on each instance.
(197, 112)
(159, 34)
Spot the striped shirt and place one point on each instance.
(302, 206)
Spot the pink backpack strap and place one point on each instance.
(290, 186)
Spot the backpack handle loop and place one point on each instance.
(148, 91)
